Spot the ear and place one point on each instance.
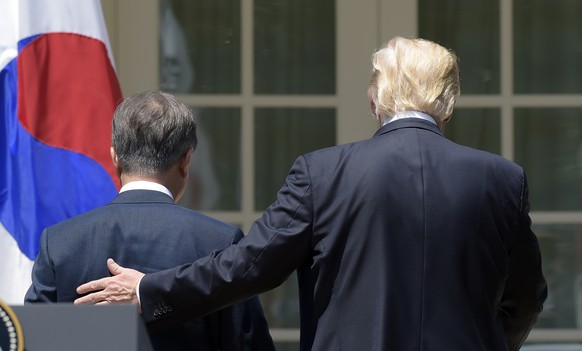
(373, 107)
(184, 166)
(116, 164)
(444, 123)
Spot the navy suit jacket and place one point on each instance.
(147, 231)
(406, 241)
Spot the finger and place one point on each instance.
(114, 268)
(91, 299)
(94, 285)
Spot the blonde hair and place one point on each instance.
(414, 75)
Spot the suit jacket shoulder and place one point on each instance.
(147, 231)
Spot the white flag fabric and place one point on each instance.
(58, 91)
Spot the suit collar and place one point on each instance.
(141, 196)
(408, 123)
(146, 185)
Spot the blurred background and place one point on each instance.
(272, 79)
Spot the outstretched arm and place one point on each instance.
(275, 246)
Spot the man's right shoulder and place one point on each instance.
(209, 224)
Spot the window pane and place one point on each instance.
(215, 168)
(282, 134)
(547, 51)
(200, 46)
(560, 245)
(471, 29)
(281, 305)
(478, 128)
(290, 346)
(548, 143)
(294, 46)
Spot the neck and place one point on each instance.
(128, 178)
(172, 179)
(409, 114)
(160, 179)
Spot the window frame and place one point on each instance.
(361, 27)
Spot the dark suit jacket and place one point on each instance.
(406, 241)
(147, 231)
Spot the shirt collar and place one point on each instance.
(409, 114)
(146, 185)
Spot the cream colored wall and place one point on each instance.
(361, 27)
(356, 40)
(133, 33)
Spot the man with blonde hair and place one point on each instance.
(427, 81)
(406, 241)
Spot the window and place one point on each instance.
(291, 49)
(296, 71)
(519, 62)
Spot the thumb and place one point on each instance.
(114, 268)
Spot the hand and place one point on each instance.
(121, 288)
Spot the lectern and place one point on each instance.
(48, 327)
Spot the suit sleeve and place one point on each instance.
(525, 288)
(43, 288)
(277, 244)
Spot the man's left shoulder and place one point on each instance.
(491, 160)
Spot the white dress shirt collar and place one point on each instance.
(409, 114)
(146, 185)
